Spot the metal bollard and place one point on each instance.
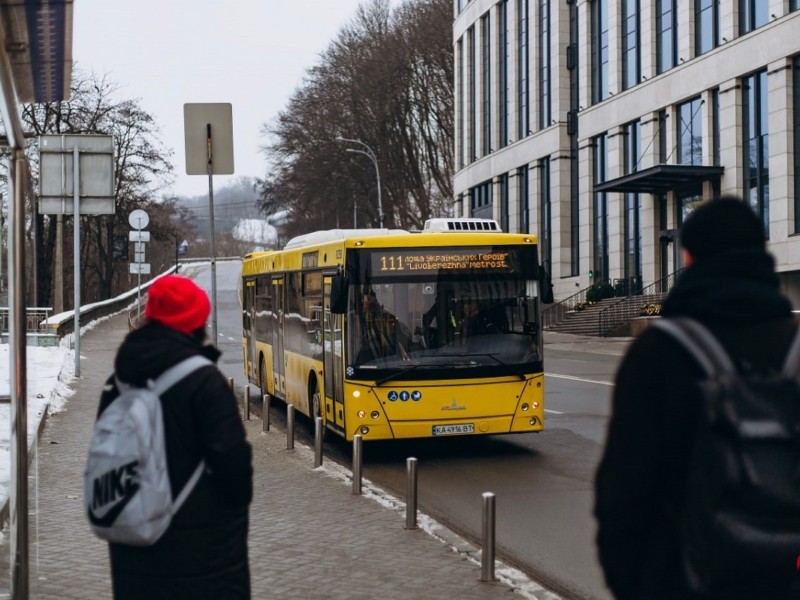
(487, 537)
(231, 383)
(411, 493)
(357, 459)
(317, 442)
(290, 427)
(265, 412)
(247, 402)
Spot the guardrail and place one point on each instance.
(35, 319)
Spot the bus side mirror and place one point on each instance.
(339, 294)
(546, 285)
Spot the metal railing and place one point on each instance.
(553, 315)
(614, 316)
(35, 320)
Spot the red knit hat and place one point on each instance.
(177, 302)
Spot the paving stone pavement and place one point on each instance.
(310, 537)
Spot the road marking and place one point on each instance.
(555, 412)
(570, 377)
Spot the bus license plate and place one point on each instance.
(453, 429)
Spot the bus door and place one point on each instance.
(277, 336)
(333, 365)
(249, 327)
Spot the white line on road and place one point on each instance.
(557, 376)
(555, 412)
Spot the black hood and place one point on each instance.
(149, 351)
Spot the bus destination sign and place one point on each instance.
(435, 260)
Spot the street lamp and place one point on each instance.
(368, 152)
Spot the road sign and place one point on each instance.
(56, 173)
(138, 236)
(140, 268)
(196, 121)
(138, 256)
(138, 219)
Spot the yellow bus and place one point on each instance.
(393, 334)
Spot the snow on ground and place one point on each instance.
(50, 373)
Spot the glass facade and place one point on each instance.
(545, 112)
(632, 262)
(504, 51)
(600, 40)
(631, 70)
(796, 111)
(460, 140)
(666, 35)
(706, 26)
(690, 133)
(755, 144)
(523, 187)
(472, 67)
(600, 212)
(752, 15)
(545, 212)
(523, 63)
(481, 200)
(486, 84)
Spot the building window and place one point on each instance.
(715, 126)
(523, 116)
(460, 100)
(486, 87)
(600, 40)
(472, 148)
(504, 50)
(480, 201)
(632, 267)
(794, 5)
(690, 133)
(663, 147)
(545, 212)
(752, 15)
(756, 145)
(504, 220)
(631, 71)
(796, 108)
(545, 113)
(600, 213)
(666, 35)
(523, 187)
(706, 26)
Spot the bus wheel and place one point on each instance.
(314, 404)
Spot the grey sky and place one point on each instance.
(251, 53)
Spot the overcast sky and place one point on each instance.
(250, 53)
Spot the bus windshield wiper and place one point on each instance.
(396, 374)
(506, 366)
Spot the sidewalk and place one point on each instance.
(297, 550)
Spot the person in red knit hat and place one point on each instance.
(203, 553)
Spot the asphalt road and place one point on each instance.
(542, 482)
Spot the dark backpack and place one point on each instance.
(740, 527)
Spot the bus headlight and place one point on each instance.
(375, 414)
(364, 430)
(535, 405)
(534, 420)
(361, 414)
(525, 406)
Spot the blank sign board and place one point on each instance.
(198, 121)
(96, 174)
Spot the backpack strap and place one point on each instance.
(700, 343)
(177, 372)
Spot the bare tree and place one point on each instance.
(385, 80)
(142, 168)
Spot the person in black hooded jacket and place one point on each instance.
(203, 553)
(731, 287)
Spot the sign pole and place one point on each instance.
(76, 249)
(213, 238)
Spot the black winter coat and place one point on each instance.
(642, 476)
(203, 553)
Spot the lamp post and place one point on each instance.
(369, 153)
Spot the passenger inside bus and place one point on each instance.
(382, 335)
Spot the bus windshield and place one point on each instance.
(483, 321)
